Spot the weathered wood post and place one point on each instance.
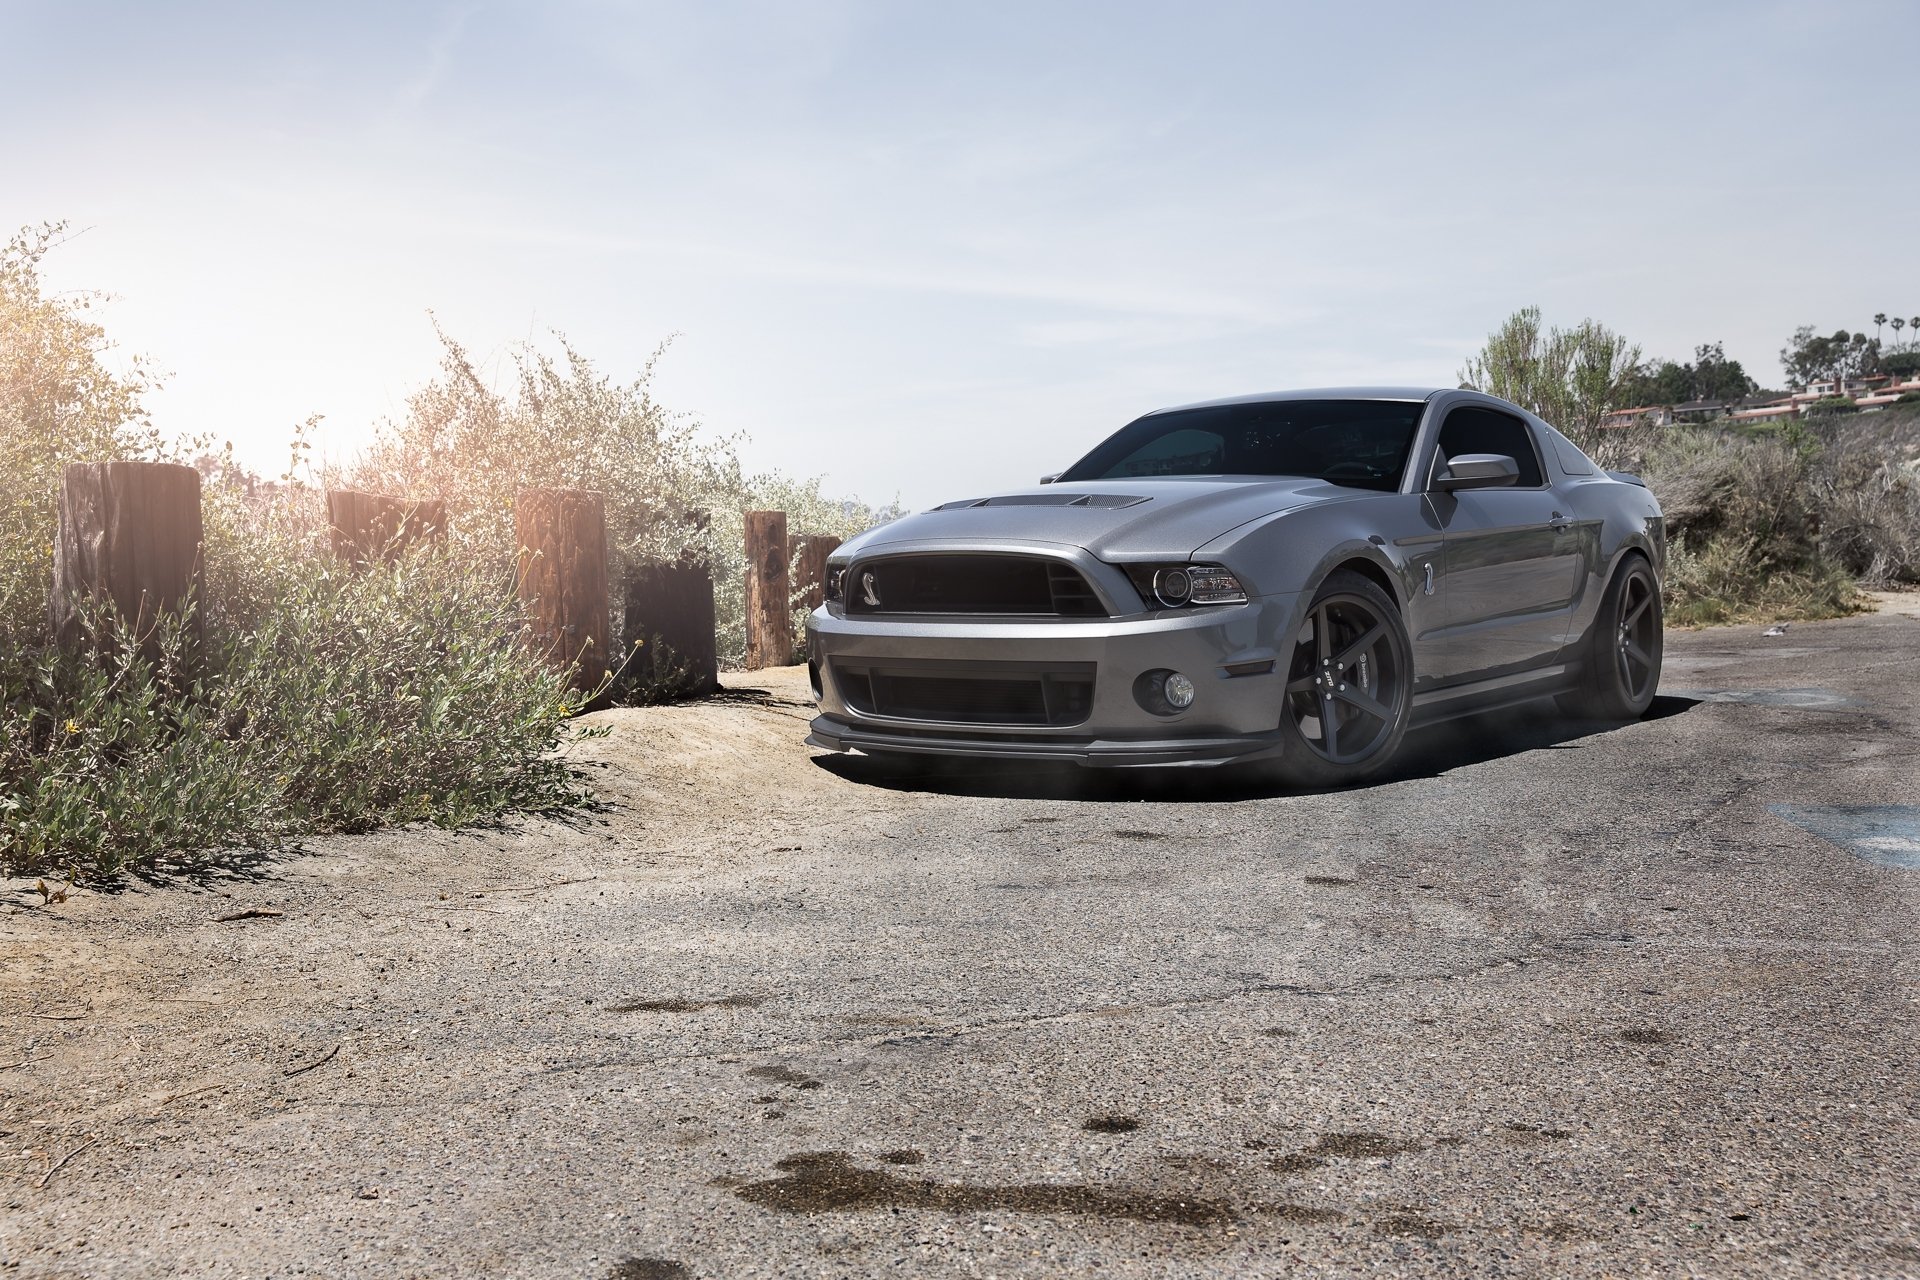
(129, 532)
(562, 535)
(366, 525)
(769, 618)
(810, 569)
(669, 610)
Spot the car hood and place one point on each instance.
(1116, 520)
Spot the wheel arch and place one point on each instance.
(1371, 571)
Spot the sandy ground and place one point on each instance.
(1548, 1000)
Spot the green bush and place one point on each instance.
(1828, 406)
(399, 694)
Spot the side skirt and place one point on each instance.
(1488, 695)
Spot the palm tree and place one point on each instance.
(1878, 320)
(1915, 322)
(1898, 325)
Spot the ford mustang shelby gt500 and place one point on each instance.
(1294, 578)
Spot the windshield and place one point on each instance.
(1358, 443)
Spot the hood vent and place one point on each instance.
(1104, 501)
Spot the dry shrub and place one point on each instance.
(1745, 523)
(563, 423)
(1867, 481)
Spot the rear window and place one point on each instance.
(1362, 444)
(1572, 460)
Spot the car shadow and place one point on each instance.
(1427, 752)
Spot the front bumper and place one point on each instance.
(1235, 655)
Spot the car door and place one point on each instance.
(1511, 566)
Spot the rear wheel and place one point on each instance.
(1621, 667)
(1349, 685)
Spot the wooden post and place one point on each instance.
(769, 617)
(129, 532)
(669, 610)
(366, 525)
(810, 569)
(563, 577)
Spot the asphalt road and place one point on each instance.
(1550, 1001)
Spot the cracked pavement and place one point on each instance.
(1558, 999)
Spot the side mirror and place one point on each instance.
(1050, 479)
(1478, 471)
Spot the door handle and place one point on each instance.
(1560, 523)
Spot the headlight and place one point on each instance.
(1173, 585)
(836, 576)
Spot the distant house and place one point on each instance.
(1854, 386)
(1701, 410)
(1650, 415)
(1766, 412)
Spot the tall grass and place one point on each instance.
(399, 694)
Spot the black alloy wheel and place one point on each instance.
(1349, 684)
(1622, 667)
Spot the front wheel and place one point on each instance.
(1621, 666)
(1349, 685)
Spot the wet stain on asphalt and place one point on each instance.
(1124, 833)
(1328, 882)
(649, 1269)
(1280, 1033)
(903, 1156)
(1645, 1035)
(1887, 835)
(687, 1006)
(785, 1075)
(1341, 1146)
(830, 1182)
(1111, 1124)
(1801, 699)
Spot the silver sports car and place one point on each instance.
(1294, 578)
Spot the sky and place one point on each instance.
(926, 250)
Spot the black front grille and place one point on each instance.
(970, 693)
(1018, 586)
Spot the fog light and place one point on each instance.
(1177, 690)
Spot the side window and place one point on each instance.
(1188, 451)
(1489, 431)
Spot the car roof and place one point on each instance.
(1407, 394)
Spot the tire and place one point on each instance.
(1351, 657)
(1620, 664)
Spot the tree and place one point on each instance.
(1714, 377)
(1570, 377)
(1711, 376)
(1879, 319)
(1809, 357)
(59, 403)
(1898, 325)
